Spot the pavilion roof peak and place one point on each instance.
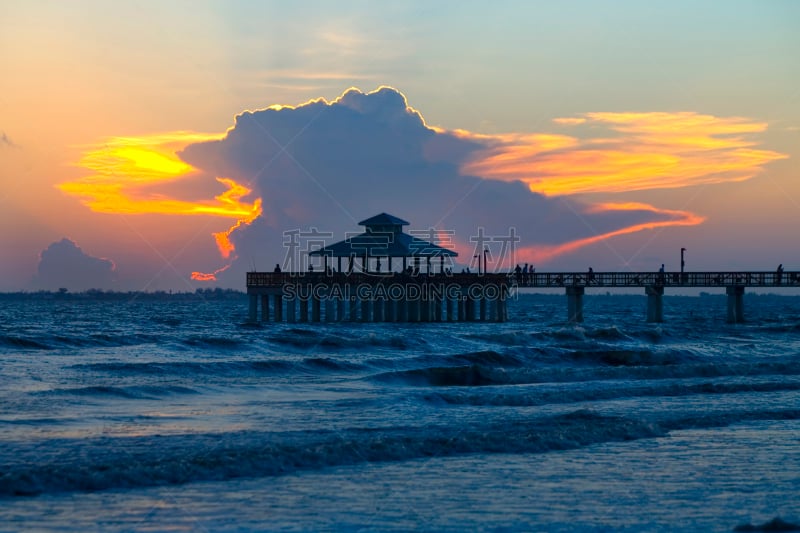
(384, 219)
(384, 237)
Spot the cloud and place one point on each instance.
(6, 141)
(329, 164)
(633, 152)
(542, 253)
(302, 81)
(322, 166)
(143, 175)
(569, 121)
(64, 264)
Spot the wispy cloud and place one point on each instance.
(6, 141)
(622, 152)
(541, 254)
(309, 82)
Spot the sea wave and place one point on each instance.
(482, 375)
(24, 343)
(506, 338)
(308, 338)
(535, 397)
(487, 357)
(54, 342)
(125, 462)
(631, 357)
(450, 376)
(214, 342)
(609, 333)
(133, 392)
(224, 368)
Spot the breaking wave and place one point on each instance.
(111, 463)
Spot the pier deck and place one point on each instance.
(432, 297)
(663, 279)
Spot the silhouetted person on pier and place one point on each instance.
(518, 273)
(779, 274)
(590, 276)
(277, 268)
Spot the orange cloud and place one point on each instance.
(128, 175)
(644, 151)
(503, 260)
(212, 276)
(569, 121)
(540, 254)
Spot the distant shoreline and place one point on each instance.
(96, 294)
(237, 295)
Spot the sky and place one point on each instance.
(177, 145)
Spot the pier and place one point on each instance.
(363, 286)
(390, 297)
(444, 297)
(654, 285)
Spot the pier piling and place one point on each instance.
(655, 303)
(735, 303)
(575, 303)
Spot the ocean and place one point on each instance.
(172, 414)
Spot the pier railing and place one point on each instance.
(656, 279)
(279, 279)
(538, 279)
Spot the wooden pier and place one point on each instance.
(364, 286)
(375, 297)
(654, 284)
(445, 297)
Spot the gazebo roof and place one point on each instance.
(384, 243)
(384, 219)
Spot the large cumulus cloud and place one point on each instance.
(330, 164)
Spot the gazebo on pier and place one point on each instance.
(381, 275)
(383, 239)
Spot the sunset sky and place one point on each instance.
(169, 145)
